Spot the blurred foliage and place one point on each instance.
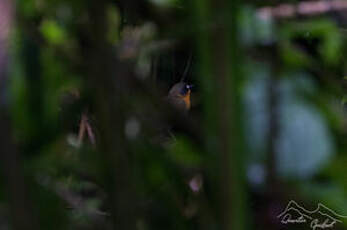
(283, 100)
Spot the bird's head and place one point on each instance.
(179, 95)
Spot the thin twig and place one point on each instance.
(187, 68)
(306, 8)
(81, 130)
(85, 127)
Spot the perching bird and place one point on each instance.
(179, 96)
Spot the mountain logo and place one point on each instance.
(322, 217)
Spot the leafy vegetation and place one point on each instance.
(89, 139)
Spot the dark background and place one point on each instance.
(267, 123)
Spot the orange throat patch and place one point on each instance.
(186, 99)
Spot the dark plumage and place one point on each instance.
(179, 96)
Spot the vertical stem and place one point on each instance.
(20, 205)
(107, 84)
(273, 134)
(220, 55)
(271, 177)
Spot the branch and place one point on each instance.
(307, 8)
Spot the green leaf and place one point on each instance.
(183, 152)
(53, 32)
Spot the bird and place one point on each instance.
(179, 96)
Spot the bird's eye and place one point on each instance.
(184, 91)
(189, 86)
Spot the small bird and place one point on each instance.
(179, 96)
